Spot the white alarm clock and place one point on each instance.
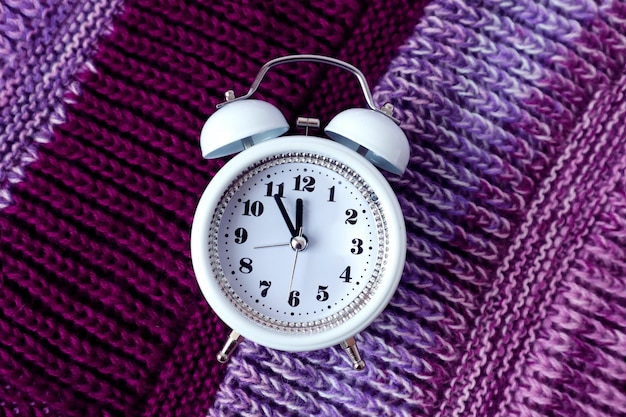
(298, 242)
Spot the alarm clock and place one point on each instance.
(298, 243)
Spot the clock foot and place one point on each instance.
(233, 340)
(349, 345)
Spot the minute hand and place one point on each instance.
(283, 212)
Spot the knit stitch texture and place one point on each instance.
(42, 47)
(100, 313)
(512, 301)
(513, 298)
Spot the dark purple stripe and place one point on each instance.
(99, 301)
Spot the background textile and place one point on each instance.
(42, 46)
(100, 313)
(513, 299)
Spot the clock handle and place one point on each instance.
(349, 345)
(387, 109)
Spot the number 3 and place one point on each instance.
(358, 246)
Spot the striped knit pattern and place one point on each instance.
(100, 314)
(572, 345)
(512, 300)
(42, 47)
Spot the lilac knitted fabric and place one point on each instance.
(513, 299)
(43, 44)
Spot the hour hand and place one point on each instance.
(299, 210)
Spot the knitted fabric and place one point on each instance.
(100, 313)
(42, 46)
(512, 300)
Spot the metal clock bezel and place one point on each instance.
(368, 290)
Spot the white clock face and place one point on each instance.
(298, 242)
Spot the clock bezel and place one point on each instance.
(249, 328)
(285, 324)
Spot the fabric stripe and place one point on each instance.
(100, 313)
(492, 95)
(45, 45)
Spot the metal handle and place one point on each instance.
(387, 109)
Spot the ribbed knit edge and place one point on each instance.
(575, 367)
(545, 248)
(83, 277)
(45, 47)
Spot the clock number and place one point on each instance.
(322, 294)
(345, 275)
(304, 183)
(266, 286)
(245, 265)
(331, 197)
(358, 246)
(294, 298)
(254, 208)
(241, 235)
(270, 189)
(351, 213)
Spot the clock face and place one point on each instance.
(298, 242)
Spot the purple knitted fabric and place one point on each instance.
(100, 313)
(42, 46)
(513, 299)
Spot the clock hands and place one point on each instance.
(299, 213)
(283, 211)
(298, 241)
(294, 230)
(273, 245)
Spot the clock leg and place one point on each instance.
(233, 340)
(349, 345)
